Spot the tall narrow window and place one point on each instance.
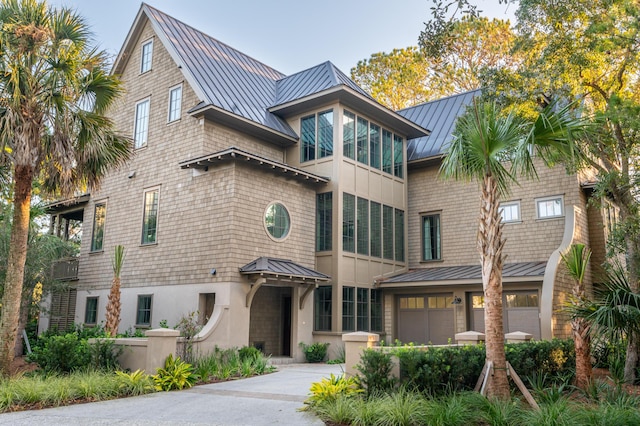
(376, 229)
(175, 103)
(324, 212)
(322, 313)
(387, 232)
(143, 311)
(397, 156)
(362, 141)
(325, 134)
(399, 235)
(141, 124)
(431, 237)
(150, 218)
(349, 134)
(348, 223)
(376, 310)
(99, 216)
(374, 146)
(363, 226)
(308, 135)
(348, 309)
(387, 151)
(147, 56)
(91, 311)
(362, 309)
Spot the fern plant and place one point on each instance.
(176, 374)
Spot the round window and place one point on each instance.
(277, 220)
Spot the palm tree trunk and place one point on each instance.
(12, 297)
(490, 244)
(580, 329)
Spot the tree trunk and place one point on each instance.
(580, 329)
(633, 268)
(12, 298)
(490, 244)
(113, 309)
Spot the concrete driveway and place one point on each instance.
(272, 399)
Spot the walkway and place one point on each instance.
(272, 399)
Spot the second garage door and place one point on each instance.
(424, 319)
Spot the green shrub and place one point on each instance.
(329, 389)
(176, 374)
(61, 353)
(315, 352)
(249, 352)
(554, 359)
(135, 383)
(104, 354)
(375, 371)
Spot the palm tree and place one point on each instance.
(496, 150)
(113, 306)
(54, 92)
(576, 260)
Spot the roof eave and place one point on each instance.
(472, 281)
(361, 103)
(133, 34)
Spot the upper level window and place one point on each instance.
(150, 217)
(349, 135)
(316, 133)
(387, 151)
(324, 212)
(387, 232)
(141, 124)
(175, 103)
(431, 243)
(374, 146)
(348, 222)
(362, 226)
(99, 216)
(510, 211)
(399, 234)
(277, 221)
(362, 142)
(550, 207)
(147, 56)
(398, 156)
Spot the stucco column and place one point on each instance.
(354, 343)
(162, 342)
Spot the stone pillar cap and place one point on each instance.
(360, 336)
(470, 335)
(519, 335)
(162, 332)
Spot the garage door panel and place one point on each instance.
(441, 326)
(412, 326)
(524, 319)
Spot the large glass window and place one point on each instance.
(141, 124)
(363, 140)
(143, 311)
(521, 300)
(376, 229)
(348, 223)
(175, 103)
(324, 212)
(550, 207)
(431, 248)
(387, 151)
(147, 56)
(99, 217)
(376, 310)
(363, 226)
(399, 235)
(317, 136)
(387, 232)
(150, 217)
(91, 311)
(325, 134)
(308, 136)
(349, 134)
(277, 221)
(348, 309)
(322, 312)
(374, 146)
(398, 156)
(363, 309)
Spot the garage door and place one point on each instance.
(426, 319)
(521, 312)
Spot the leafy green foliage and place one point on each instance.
(332, 387)
(249, 353)
(62, 354)
(135, 383)
(176, 374)
(375, 371)
(188, 327)
(315, 352)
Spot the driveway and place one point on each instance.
(272, 399)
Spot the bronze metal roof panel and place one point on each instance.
(468, 273)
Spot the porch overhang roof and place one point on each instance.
(236, 154)
(464, 275)
(283, 269)
(70, 208)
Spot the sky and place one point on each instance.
(288, 35)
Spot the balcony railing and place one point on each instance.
(66, 269)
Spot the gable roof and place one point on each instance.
(236, 89)
(440, 117)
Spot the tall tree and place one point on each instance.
(484, 139)
(113, 306)
(54, 91)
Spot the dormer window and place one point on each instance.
(316, 136)
(147, 55)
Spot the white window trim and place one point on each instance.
(554, 197)
(144, 197)
(509, 204)
(264, 222)
(95, 204)
(171, 89)
(135, 122)
(142, 46)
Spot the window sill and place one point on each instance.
(549, 218)
(148, 244)
(95, 252)
(512, 222)
(432, 261)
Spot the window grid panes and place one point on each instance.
(374, 146)
(142, 124)
(440, 302)
(412, 302)
(348, 309)
(431, 237)
(397, 156)
(348, 134)
(147, 56)
(325, 134)
(143, 315)
(150, 218)
(324, 212)
(363, 226)
(277, 220)
(510, 212)
(308, 135)
(399, 235)
(362, 140)
(376, 229)
(91, 311)
(387, 232)
(99, 217)
(322, 313)
(175, 103)
(387, 151)
(549, 207)
(376, 310)
(362, 309)
(521, 300)
(348, 222)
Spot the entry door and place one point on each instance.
(286, 325)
